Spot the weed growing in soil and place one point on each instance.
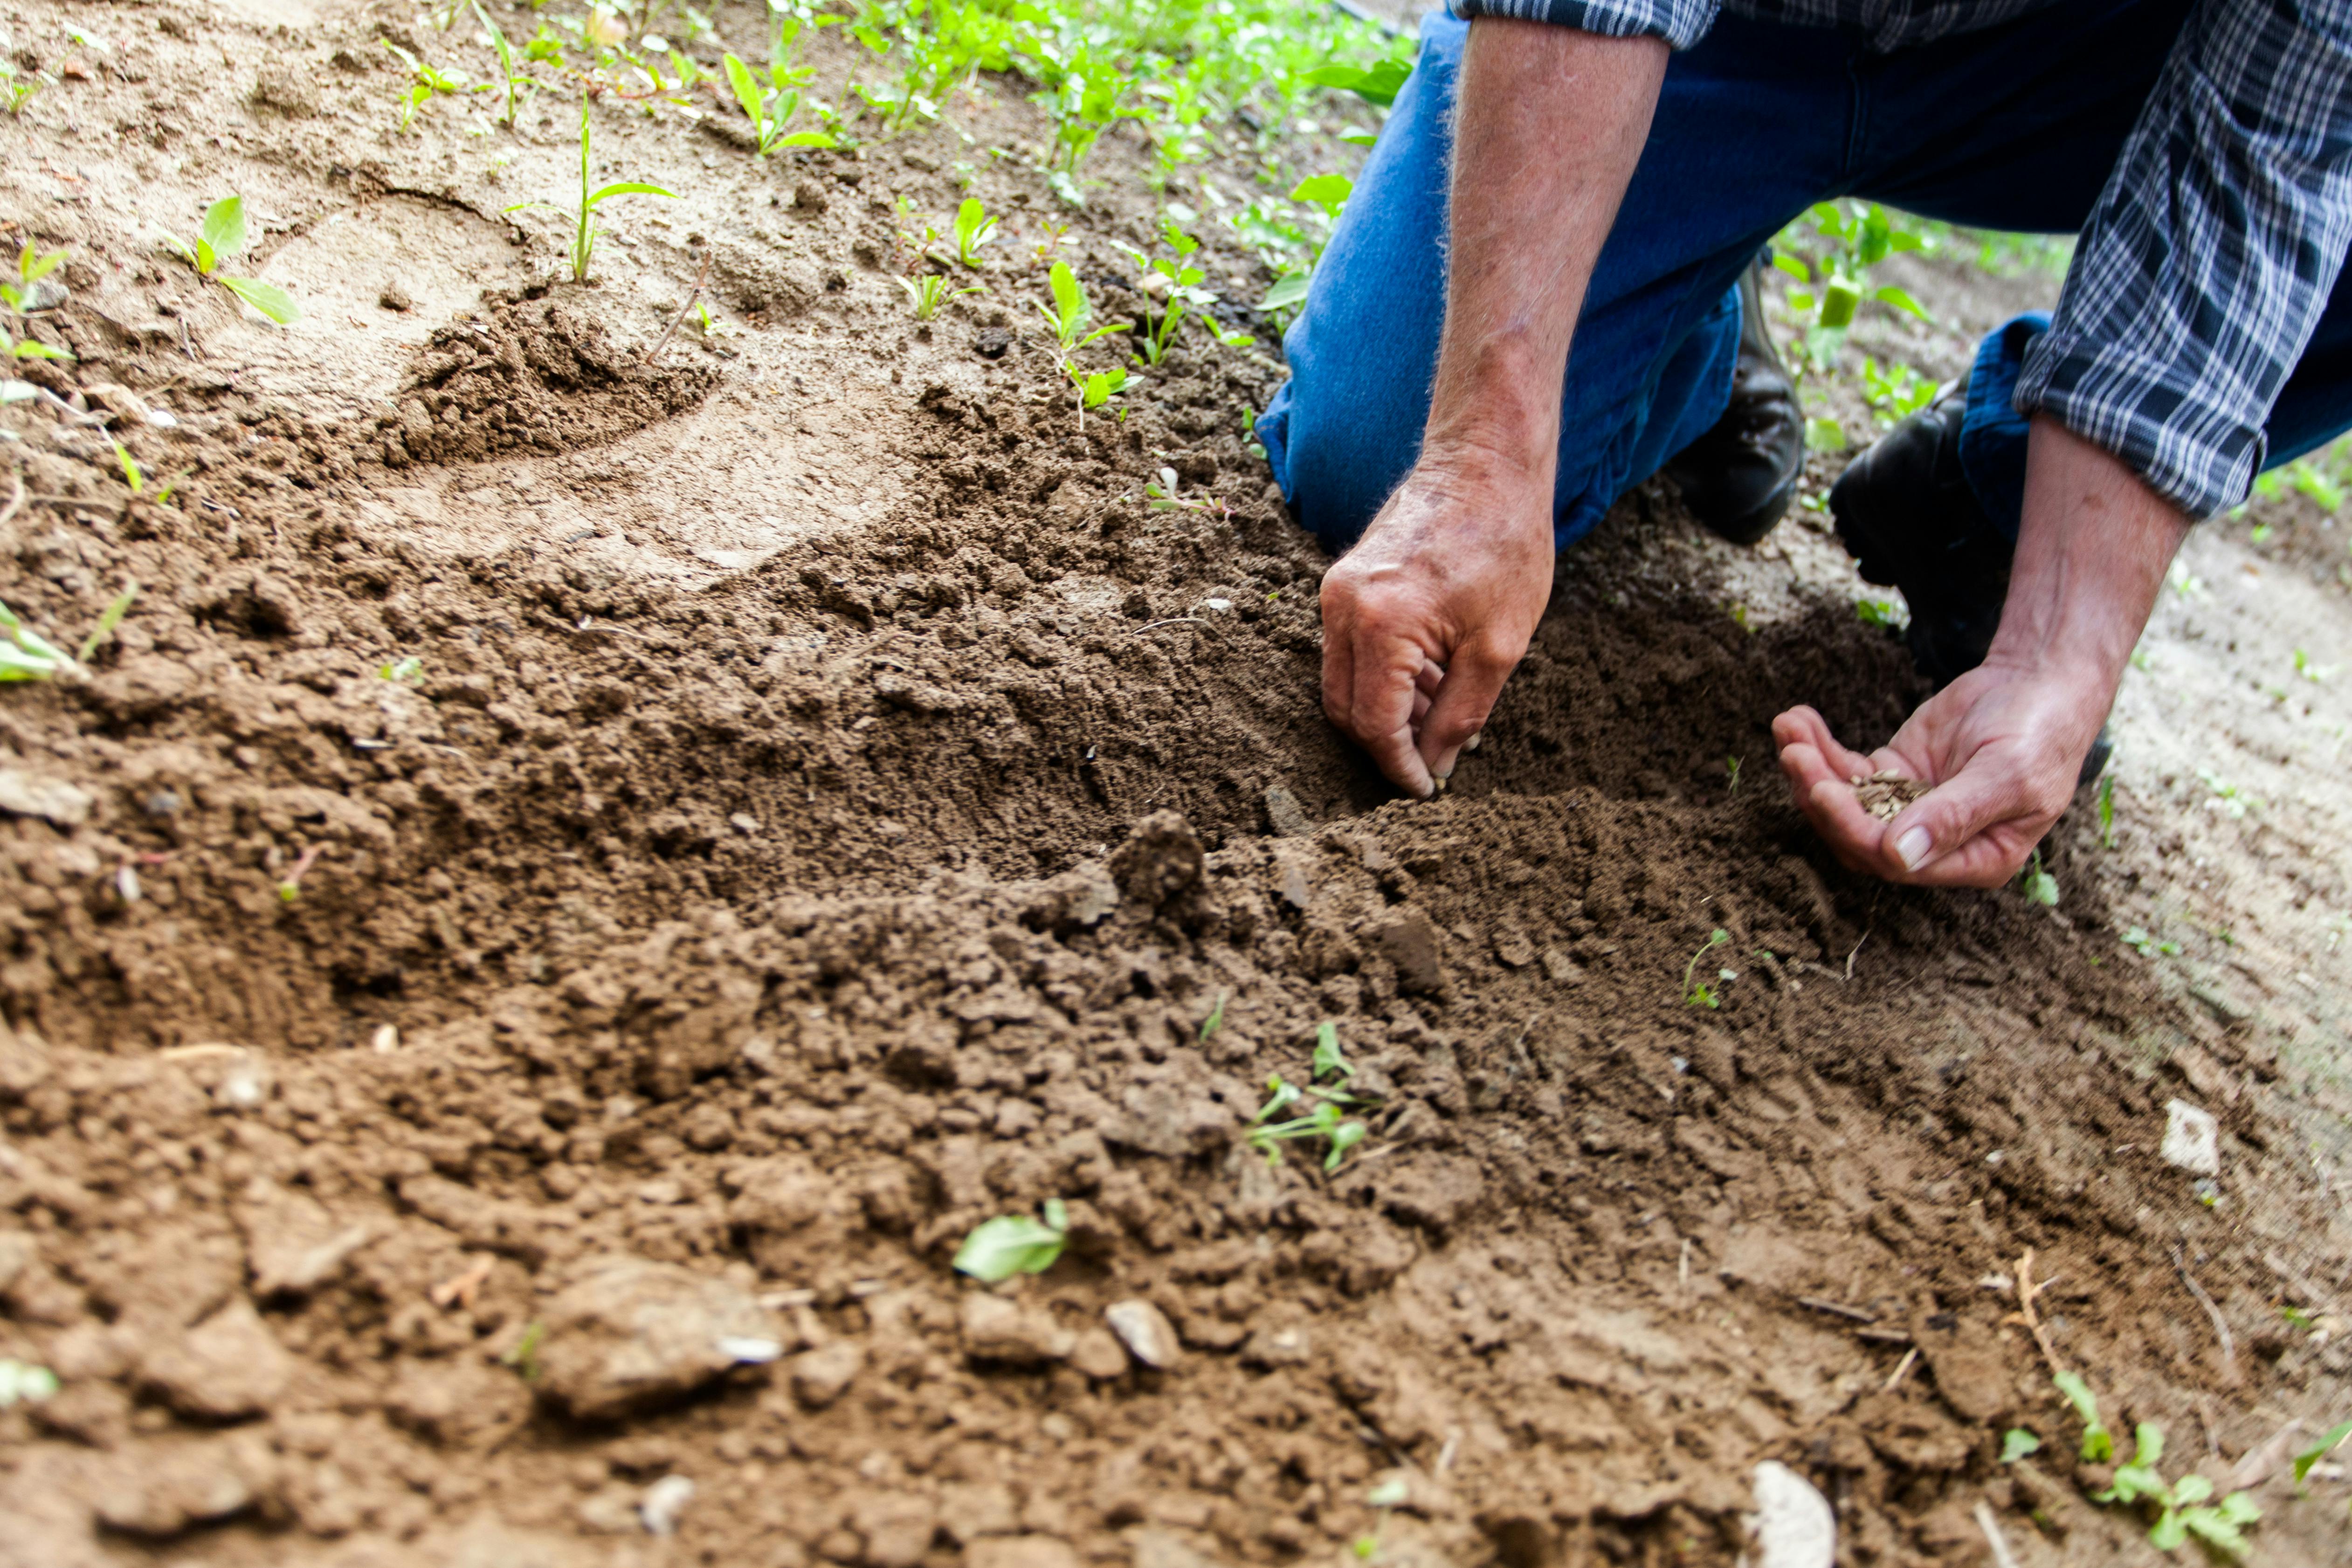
(1071, 314)
(409, 670)
(2107, 812)
(773, 106)
(28, 655)
(2098, 1444)
(1731, 766)
(2181, 1507)
(2016, 1443)
(583, 240)
(1832, 287)
(973, 229)
(1215, 1021)
(524, 1357)
(1095, 387)
(1014, 1244)
(1880, 613)
(222, 237)
(1699, 992)
(1181, 282)
(1894, 391)
(513, 82)
(2137, 939)
(1326, 1121)
(2038, 885)
(427, 82)
(2332, 1439)
(20, 296)
(928, 292)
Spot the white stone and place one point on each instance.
(1792, 1525)
(1145, 1330)
(665, 1501)
(2192, 1139)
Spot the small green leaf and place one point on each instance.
(30, 348)
(1288, 290)
(26, 1381)
(1328, 1056)
(627, 188)
(1379, 83)
(747, 90)
(2016, 1443)
(2147, 1445)
(1215, 1021)
(1891, 295)
(1006, 1246)
(2190, 1489)
(1345, 1136)
(1069, 297)
(806, 139)
(2168, 1533)
(267, 298)
(205, 258)
(1328, 192)
(224, 229)
(1794, 266)
(2319, 1450)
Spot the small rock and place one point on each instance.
(2192, 1139)
(664, 1502)
(1020, 1551)
(1098, 1355)
(808, 196)
(896, 1528)
(823, 1374)
(1793, 1524)
(1283, 810)
(1512, 946)
(460, 1403)
(1145, 1330)
(162, 803)
(1162, 857)
(632, 1334)
(225, 1368)
(1296, 892)
(59, 804)
(396, 298)
(162, 1489)
(990, 342)
(1411, 942)
(1561, 969)
(997, 1330)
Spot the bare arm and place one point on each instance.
(1426, 618)
(2003, 742)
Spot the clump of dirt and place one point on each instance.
(531, 374)
(511, 994)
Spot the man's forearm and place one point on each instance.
(1550, 124)
(2092, 553)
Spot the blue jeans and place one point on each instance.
(2012, 128)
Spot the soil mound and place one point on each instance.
(533, 374)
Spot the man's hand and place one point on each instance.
(2001, 745)
(1425, 618)
(1427, 615)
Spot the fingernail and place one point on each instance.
(1913, 848)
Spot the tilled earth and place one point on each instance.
(518, 1107)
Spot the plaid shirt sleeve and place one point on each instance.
(1681, 23)
(2211, 254)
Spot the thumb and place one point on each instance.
(1474, 679)
(1944, 828)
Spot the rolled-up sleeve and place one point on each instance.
(1681, 23)
(2211, 253)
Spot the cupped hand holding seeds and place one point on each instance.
(1426, 618)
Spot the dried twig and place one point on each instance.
(1170, 621)
(701, 277)
(2027, 1292)
(2002, 1555)
(1838, 1308)
(1902, 1368)
(459, 1290)
(2220, 1327)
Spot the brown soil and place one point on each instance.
(443, 1112)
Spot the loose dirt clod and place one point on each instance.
(634, 1333)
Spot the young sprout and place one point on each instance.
(1181, 282)
(2107, 812)
(1731, 766)
(1879, 613)
(973, 229)
(20, 296)
(26, 654)
(1329, 192)
(1215, 1021)
(2182, 1509)
(524, 1357)
(583, 240)
(222, 237)
(1328, 1058)
(409, 671)
(2147, 946)
(2016, 1443)
(25, 1381)
(773, 106)
(1014, 1244)
(15, 88)
(1071, 315)
(2038, 885)
(1094, 388)
(1699, 992)
(516, 82)
(929, 291)
(427, 81)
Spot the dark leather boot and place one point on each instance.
(1906, 511)
(1740, 477)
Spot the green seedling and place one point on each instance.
(1831, 289)
(19, 297)
(1329, 192)
(928, 292)
(427, 82)
(26, 654)
(1731, 766)
(515, 83)
(2228, 798)
(2329, 1441)
(2181, 1507)
(2137, 939)
(2038, 885)
(973, 229)
(1215, 1021)
(1071, 315)
(583, 241)
(1378, 83)
(1181, 282)
(14, 89)
(1880, 613)
(524, 1357)
(1286, 292)
(1095, 388)
(2098, 1444)
(2016, 1443)
(409, 671)
(289, 886)
(2184, 584)
(2317, 674)
(1329, 1060)
(222, 237)
(1324, 1122)
(1014, 1244)
(1699, 992)
(25, 1382)
(2107, 812)
(772, 105)
(1895, 392)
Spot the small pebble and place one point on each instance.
(665, 1501)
